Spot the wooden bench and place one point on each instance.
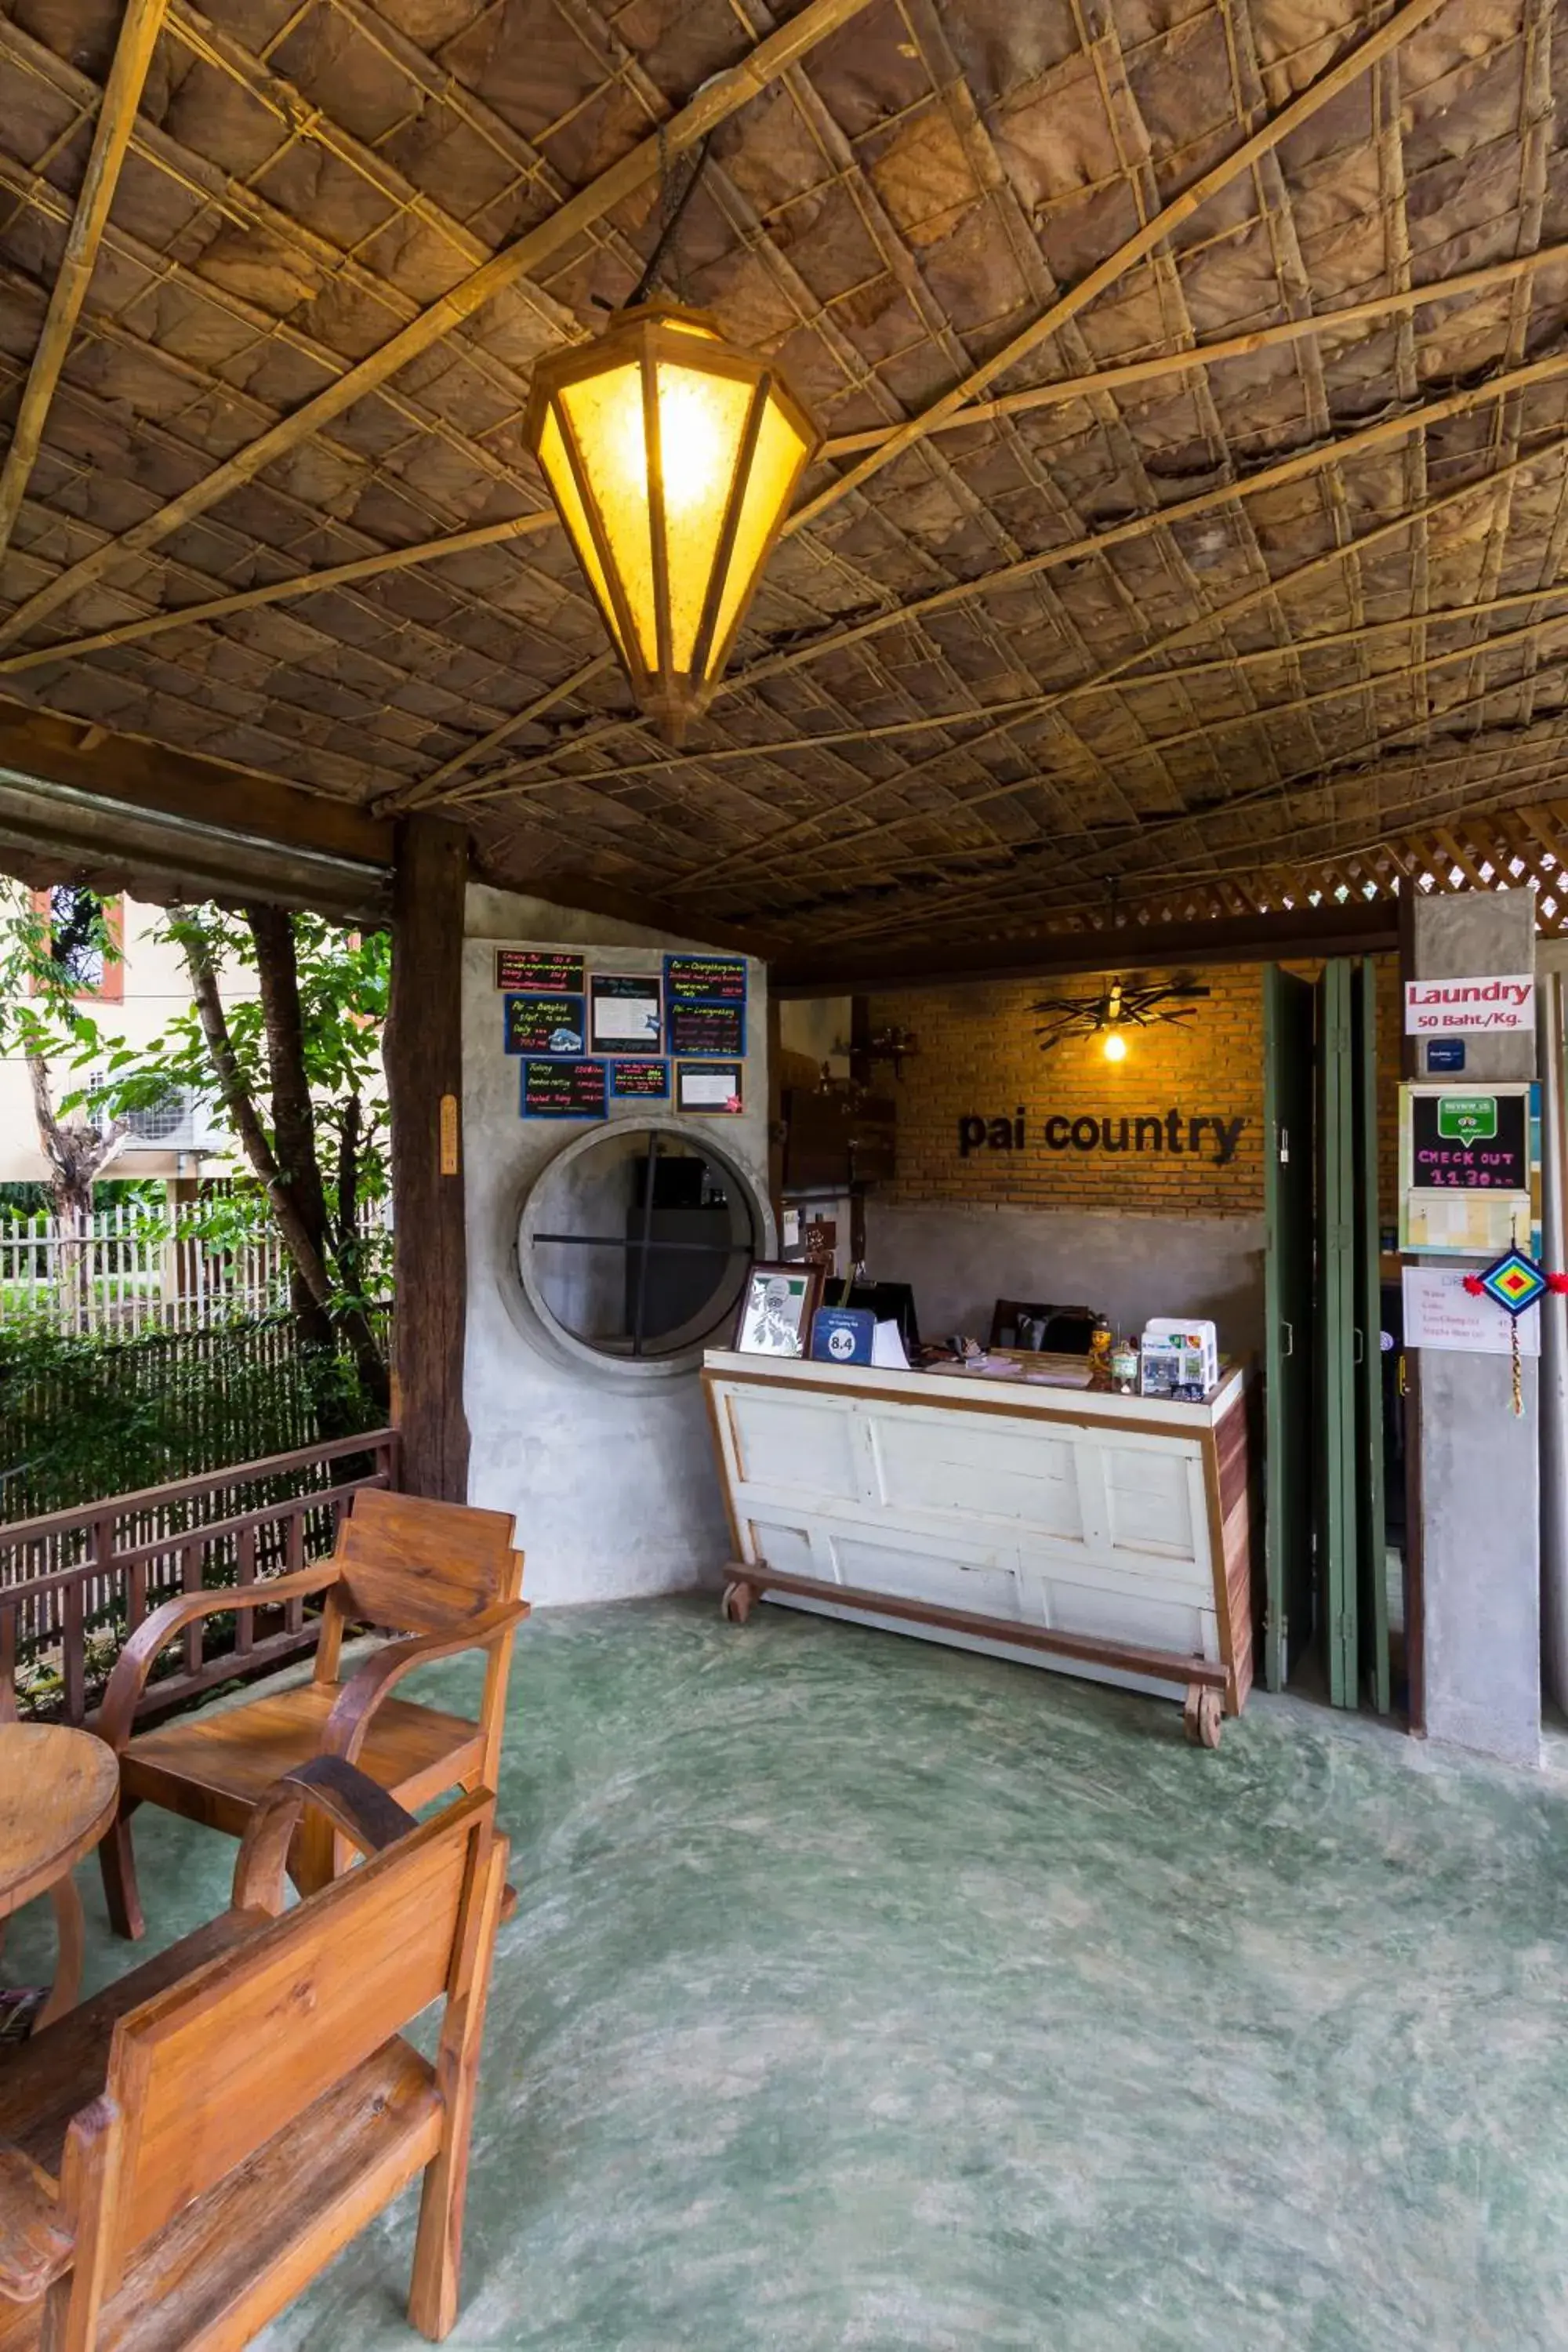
(442, 1574)
(180, 2156)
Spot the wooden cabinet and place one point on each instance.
(1103, 1535)
(837, 1138)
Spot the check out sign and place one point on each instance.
(1498, 1004)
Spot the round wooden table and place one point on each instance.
(58, 1791)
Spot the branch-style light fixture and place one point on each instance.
(1115, 1010)
(672, 456)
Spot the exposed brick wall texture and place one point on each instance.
(979, 1059)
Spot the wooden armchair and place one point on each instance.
(182, 2155)
(440, 1573)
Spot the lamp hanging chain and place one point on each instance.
(671, 215)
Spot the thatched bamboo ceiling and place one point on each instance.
(1196, 504)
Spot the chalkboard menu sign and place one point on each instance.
(649, 1081)
(539, 971)
(1469, 1142)
(707, 1028)
(545, 1025)
(704, 980)
(563, 1090)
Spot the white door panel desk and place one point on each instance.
(1100, 1535)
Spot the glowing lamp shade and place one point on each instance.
(1115, 1046)
(672, 457)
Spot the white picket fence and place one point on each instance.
(126, 1271)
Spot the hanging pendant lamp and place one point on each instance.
(672, 456)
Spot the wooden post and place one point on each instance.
(424, 1057)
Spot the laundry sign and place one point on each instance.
(1447, 1007)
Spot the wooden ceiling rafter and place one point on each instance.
(1404, 20)
(1260, 657)
(1220, 618)
(936, 725)
(235, 200)
(1312, 327)
(1282, 475)
(1107, 381)
(133, 48)
(1406, 673)
(97, 326)
(281, 591)
(1083, 873)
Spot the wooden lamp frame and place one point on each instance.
(671, 695)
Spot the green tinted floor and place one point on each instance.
(868, 1994)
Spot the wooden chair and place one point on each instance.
(442, 1574)
(182, 2155)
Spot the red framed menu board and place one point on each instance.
(540, 972)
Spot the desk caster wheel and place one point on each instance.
(737, 1604)
(1202, 1716)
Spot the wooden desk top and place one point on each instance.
(59, 1790)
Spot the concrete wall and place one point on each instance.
(610, 1477)
(1475, 1462)
(961, 1259)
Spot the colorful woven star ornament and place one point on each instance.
(1515, 1283)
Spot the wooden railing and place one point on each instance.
(77, 1583)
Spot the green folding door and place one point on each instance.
(1288, 1113)
(1371, 1579)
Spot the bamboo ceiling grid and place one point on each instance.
(1194, 511)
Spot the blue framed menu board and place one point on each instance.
(704, 980)
(644, 1081)
(545, 1025)
(563, 1090)
(707, 1028)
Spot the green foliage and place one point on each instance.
(82, 1419)
(20, 1202)
(43, 961)
(344, 988)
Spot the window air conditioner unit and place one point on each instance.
(180, 1120)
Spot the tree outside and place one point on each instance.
(293, 1068)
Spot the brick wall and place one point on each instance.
(979, 1060)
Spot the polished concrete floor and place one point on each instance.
(867, 1994)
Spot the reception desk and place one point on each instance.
(1100, 1535)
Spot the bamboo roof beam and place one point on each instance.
(138, 36)
(1288, 470)
(789, 838)
(1160, 368)
(1467, 285)
(280, 592)
(1019, 708)
(1073, 869)
(415, 796)
(1154, 233)
(719, 98)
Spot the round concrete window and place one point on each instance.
(634, 1244)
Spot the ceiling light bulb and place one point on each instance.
(1115, 1046)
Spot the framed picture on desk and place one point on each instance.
(777, 1309)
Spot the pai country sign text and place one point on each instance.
(1202, 1135)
